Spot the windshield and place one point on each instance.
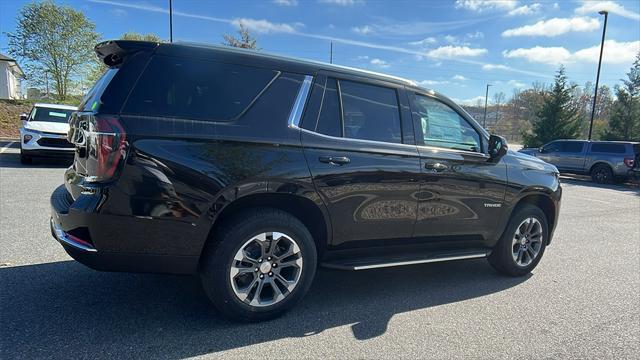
(50, 115)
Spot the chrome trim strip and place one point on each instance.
(423, 261)
(362, 141)
(301, 99)
(62, 237)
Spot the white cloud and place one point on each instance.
(451, 39)
(592, 7)
(470, 102)
(362, 57)
(379, 63)
(484, 5)
(554, 27)
(614, 53)
(340, 2)
(286, 2)
(525, 10)
(516, 83)
(459, 78)
(118, 12)
(539, 54)
(264, 26)
(455, 51)
(423, 42)
(428, 83)
(475, 35)
(489, 67)
(362, 30)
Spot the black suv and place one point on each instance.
(251, 170)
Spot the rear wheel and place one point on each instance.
(262, 265)
(602, 174)
(521, 246)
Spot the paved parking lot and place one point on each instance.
(583, 300)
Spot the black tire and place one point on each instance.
(602, 174)
(218, 258)
(502, 256)
(25, 160)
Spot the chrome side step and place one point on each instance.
(381, 263)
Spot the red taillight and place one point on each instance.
(106, 140)
(629, 162)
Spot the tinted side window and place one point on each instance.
(196, 89)
(329, 119)
(552, 147)
(608, 148)
(370, 112)
(443, 127)
(572, 147)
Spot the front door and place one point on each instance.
(461, 190)
(365, 173)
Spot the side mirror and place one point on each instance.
(497, 146)
(23, 119)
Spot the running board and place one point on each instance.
(376, 263)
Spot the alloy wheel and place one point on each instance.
(527, 241)
(266, 269)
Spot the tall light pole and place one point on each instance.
(486, 96)
(331, 54)
(170, 21)
(595, 95)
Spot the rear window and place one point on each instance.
(608, 148)
(196, 89)
(91, 101)
(50, 115)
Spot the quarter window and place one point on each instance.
(329, 119)
(370, 112)
(196, 89)
(443, 127)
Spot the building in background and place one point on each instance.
(10, 76)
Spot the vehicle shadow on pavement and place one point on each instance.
(62, 309)
(12, 160)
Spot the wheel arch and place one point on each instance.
(545, 203)
(600, 162)
(307, 211)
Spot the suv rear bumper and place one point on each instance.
(65, 220)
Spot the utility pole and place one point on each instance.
(595, 95)
(486, 96)
(331, 54)
(170, 21)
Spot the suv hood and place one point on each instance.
(47, 126)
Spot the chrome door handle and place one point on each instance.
(334, 160)
(436, 166)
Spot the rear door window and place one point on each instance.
(370, 112)
(196, 89)
(608, 148)
(571, 147)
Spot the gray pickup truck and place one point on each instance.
(605, 161)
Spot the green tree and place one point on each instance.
(558, 118)
(245, 41)
(625, 114)
(55, 43)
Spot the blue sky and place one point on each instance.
(455, 47)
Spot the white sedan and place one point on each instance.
(44, 132)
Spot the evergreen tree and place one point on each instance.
(625, 115)
(559, 117)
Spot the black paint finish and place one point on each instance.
(180, 177)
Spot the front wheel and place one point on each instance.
(259, 266)
(520, 248)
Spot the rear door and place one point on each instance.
(461, 190)
(361, 153)
(571, 155)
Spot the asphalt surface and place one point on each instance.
(582, 301)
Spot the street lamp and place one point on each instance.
(486, 96)
(595, 95)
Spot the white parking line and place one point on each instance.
(4, 148)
